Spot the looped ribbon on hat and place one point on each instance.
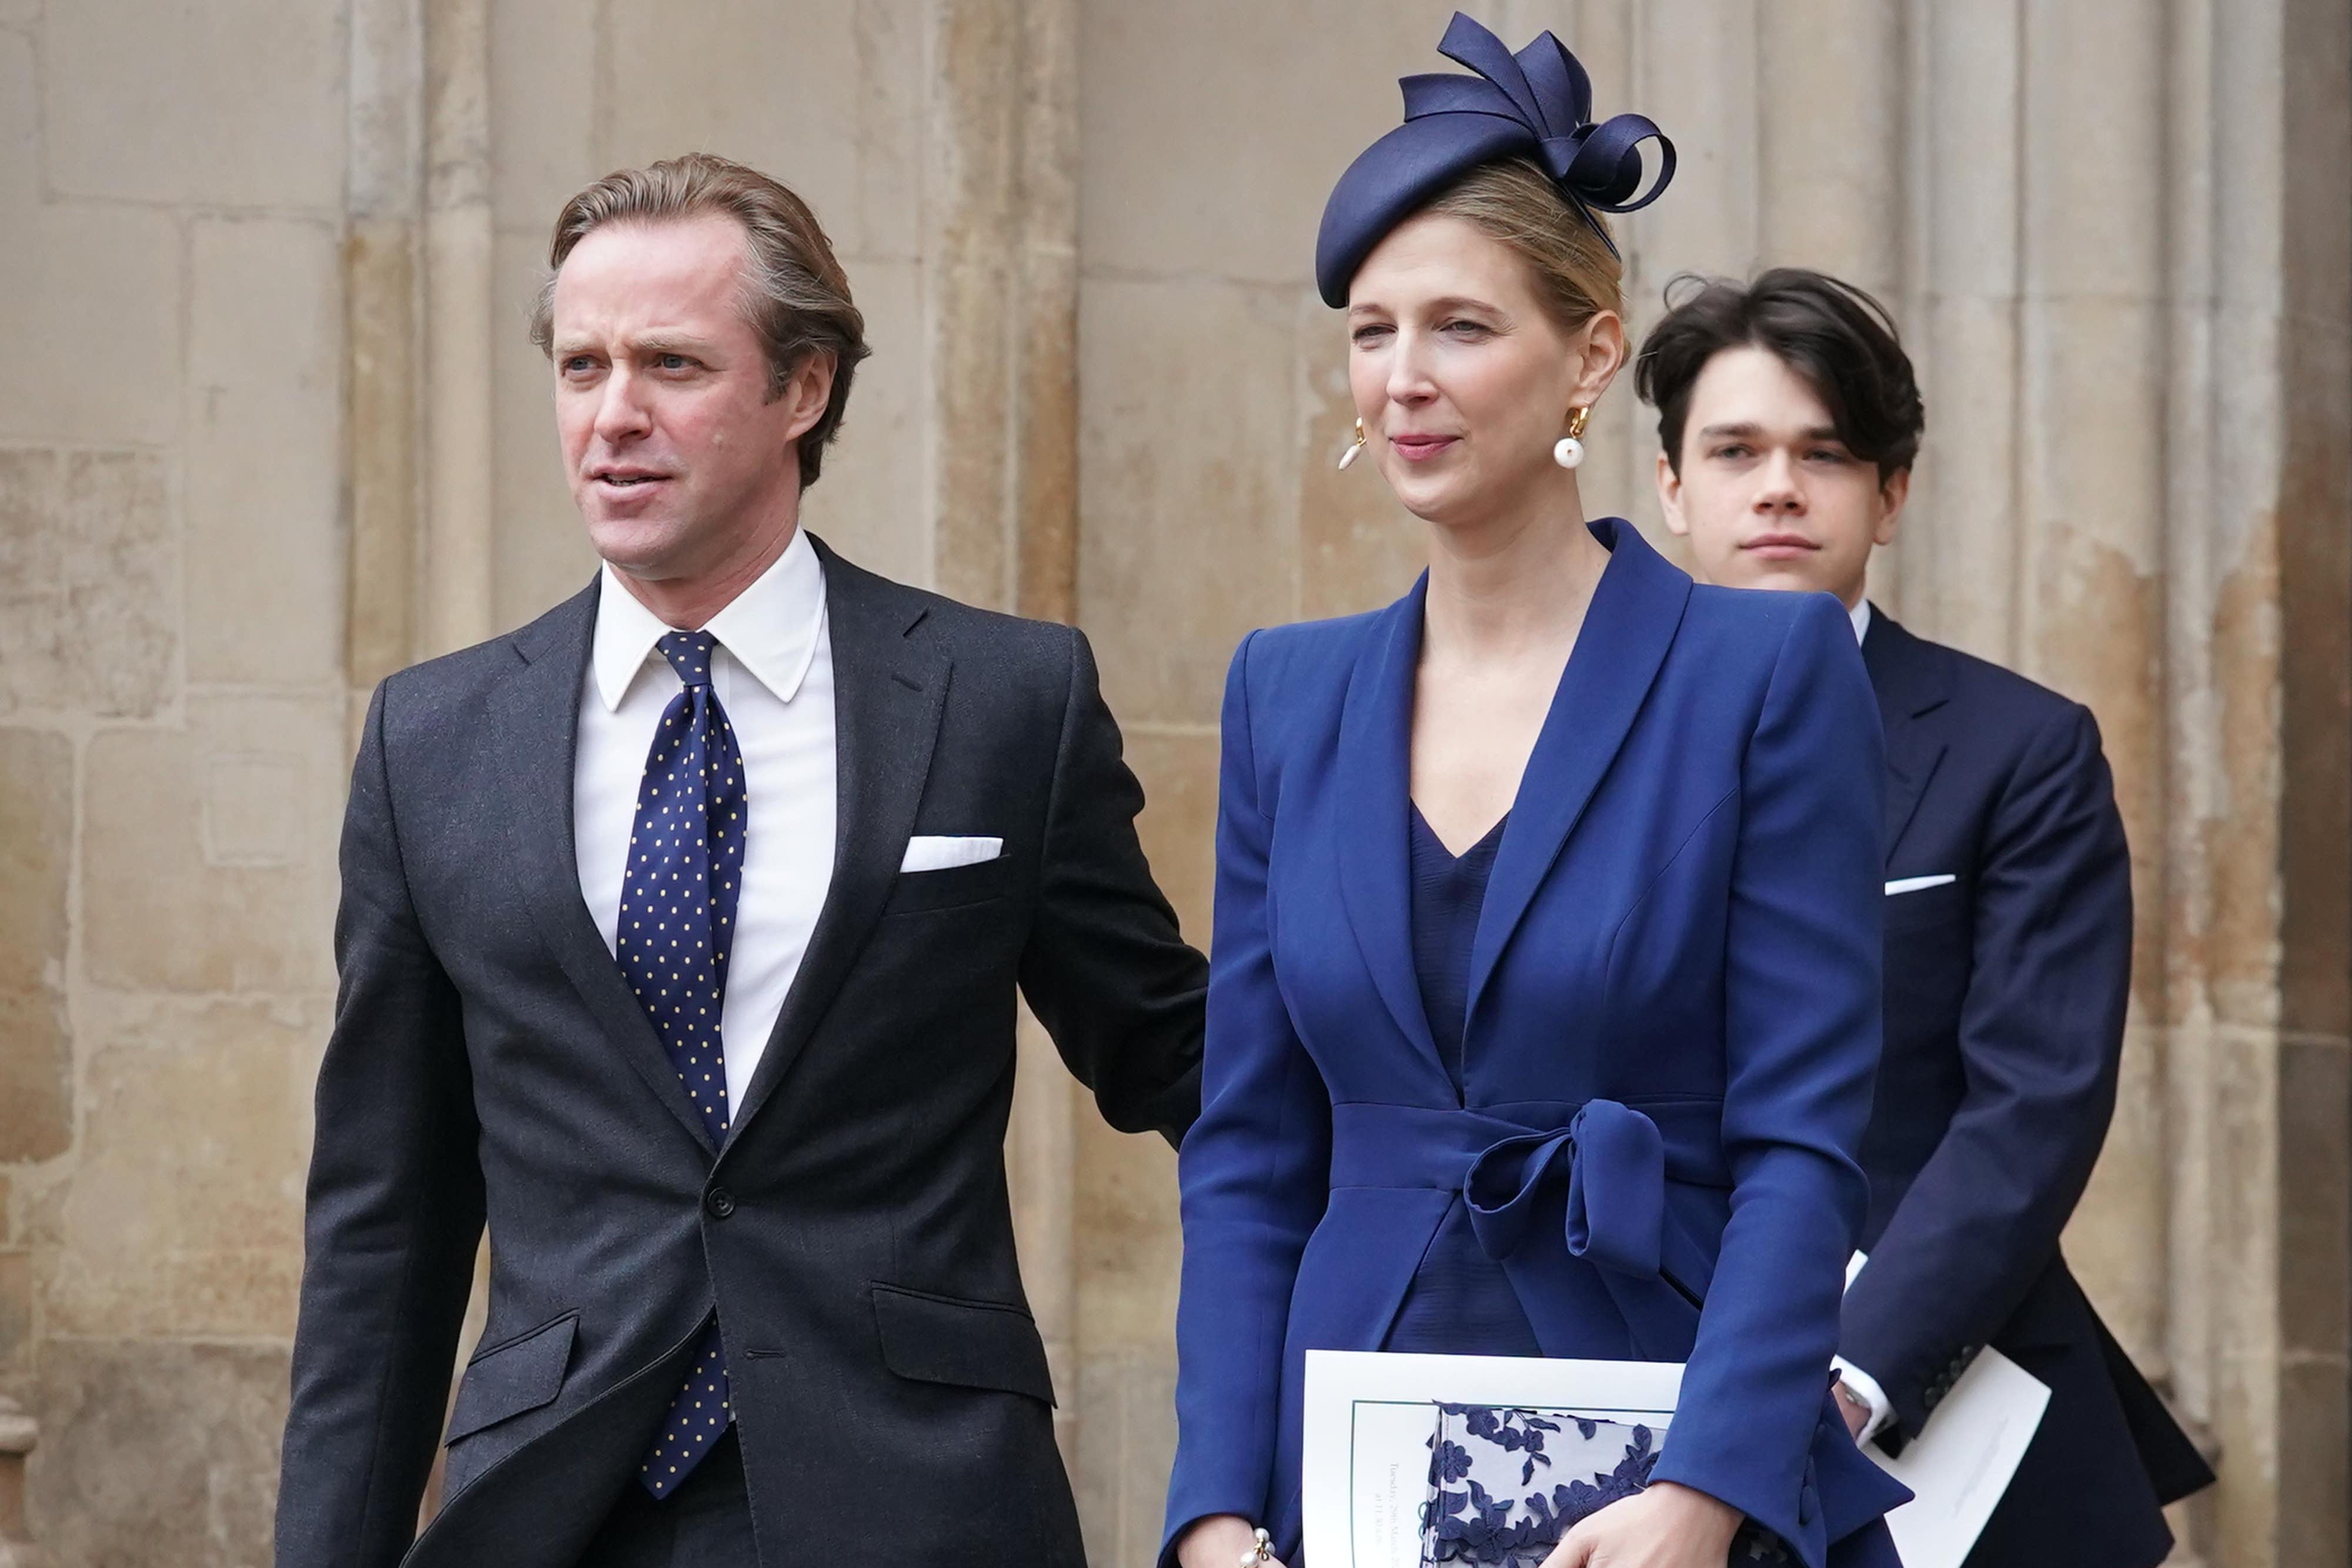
(1543, 90)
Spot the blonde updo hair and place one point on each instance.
(1576, 275)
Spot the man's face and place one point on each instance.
(1768, 497)
(679, 460)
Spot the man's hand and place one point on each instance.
(1668, 1526)
(1851, 1405)
(1219, 1541)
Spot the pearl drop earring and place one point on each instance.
(1354, 447)
(1569, 451)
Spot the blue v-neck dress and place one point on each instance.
(1643, 1083)
(1460, 1301)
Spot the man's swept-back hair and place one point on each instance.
(795, 295)
(1840, 339)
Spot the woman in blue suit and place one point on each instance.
(1544, 1004)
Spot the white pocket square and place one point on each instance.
(1914, 884)
(941, 854)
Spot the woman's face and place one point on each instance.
(1462, 379)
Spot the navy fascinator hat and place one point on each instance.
(1536, 104)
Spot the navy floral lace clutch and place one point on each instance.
(1507, 1483)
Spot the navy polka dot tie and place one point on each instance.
(677, 916)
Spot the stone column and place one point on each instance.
(459, 326)
(2087, 564)
(1965, 498)
(1000, 243)
(380, 370)
(1831, 158)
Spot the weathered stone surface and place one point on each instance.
(274, 139)
(90, 300)
(1180, 106)
(265, 555)
(1188, 485)
(1178, 770)
(36, 1075)
(876, 499)
(185, 888)
(895, 141)
(2315, 1527)
(774, 87)
(2316, 1203)
(1831, 80)
(380, 575)
(88, 582)
(1127, 1417)
(35, 859)
(541, 546)
(20, 121)
(155, 1453)
(184, 1213)
(16, 1308)
(543, 102)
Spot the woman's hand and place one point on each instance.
(1668, 1526)
(1219, 1541)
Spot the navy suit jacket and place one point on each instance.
(1673, 1028)
(2006, 989)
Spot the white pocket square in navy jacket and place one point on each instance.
(1900, 884)
(942, 855)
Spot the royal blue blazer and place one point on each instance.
(1673, 1026)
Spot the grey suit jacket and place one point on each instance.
(488, 1062)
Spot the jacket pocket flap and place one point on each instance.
(512, 1376)
(972, 1345)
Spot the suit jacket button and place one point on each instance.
(719, 1202)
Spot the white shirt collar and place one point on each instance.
(1860, 616)
(772, 628)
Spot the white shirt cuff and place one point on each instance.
(1863, 1384)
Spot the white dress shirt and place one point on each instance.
(773, 674)
(1860, 616)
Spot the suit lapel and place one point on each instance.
(888, 692)
(535, 718)
(1911, 679)
(1375, 772)
(1635, 611)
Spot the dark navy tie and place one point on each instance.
(678, 917)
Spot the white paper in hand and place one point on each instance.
(1370, 1416)
(1958, 1467)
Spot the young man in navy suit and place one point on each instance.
(1789, 418)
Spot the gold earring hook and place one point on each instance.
(1575, 418)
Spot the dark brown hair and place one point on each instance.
(795, 295)
(1839, 338)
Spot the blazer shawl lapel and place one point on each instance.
(1912, 678)
(1375, 769)
(889, 690)
(535, 718)
(1636, 609)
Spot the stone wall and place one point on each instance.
(270, 428)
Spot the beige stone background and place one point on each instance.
(269, 428)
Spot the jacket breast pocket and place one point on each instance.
(971, 1344)
(1927, 909)
(515, 1374)
(920, 891)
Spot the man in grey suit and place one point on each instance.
(680, 940)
